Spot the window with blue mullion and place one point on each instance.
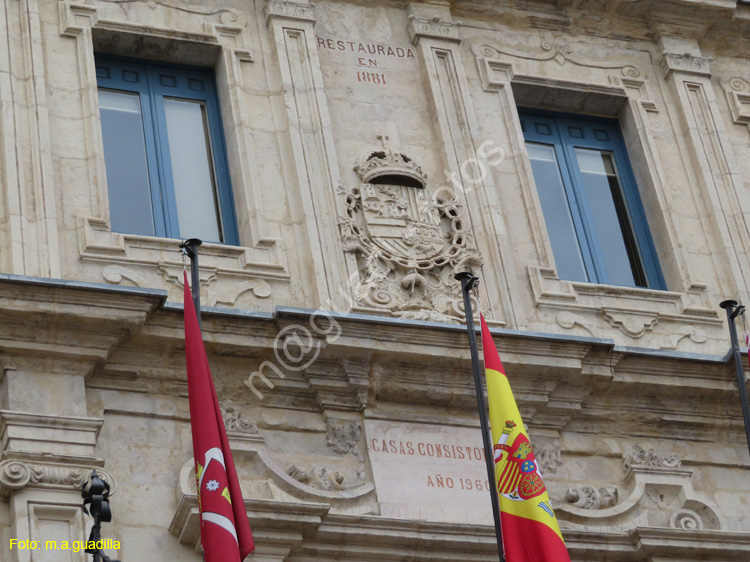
(592, 210)
(164, 151)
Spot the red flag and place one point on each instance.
(530, 529)
(225, 530)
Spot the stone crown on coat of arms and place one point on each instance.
(388, 163)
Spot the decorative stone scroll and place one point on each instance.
(408, 244)
(15, 475)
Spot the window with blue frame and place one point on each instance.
(592, 210)
(164, 151)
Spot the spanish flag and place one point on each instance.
(530, 529)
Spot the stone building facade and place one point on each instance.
(369, 151)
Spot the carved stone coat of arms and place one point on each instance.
(408, 244)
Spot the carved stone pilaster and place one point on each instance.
(432, 28)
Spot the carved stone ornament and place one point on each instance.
(15, 475)
(407, 243)
(344, 436)
(686, 519)
(548, 457)
(235, 421)
(588, 497)
(651, 459)
(324, 479)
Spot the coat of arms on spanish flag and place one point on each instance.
(530, 529)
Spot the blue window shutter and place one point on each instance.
(154, 83)
(574, 135)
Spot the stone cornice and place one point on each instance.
(710, 22)
(335, 535)
(49, 318)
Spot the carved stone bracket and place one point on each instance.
(16, 475)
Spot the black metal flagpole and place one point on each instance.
(468, 282)
(190, 248)
(733, 310)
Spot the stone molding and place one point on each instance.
(29, 174)
(340, 385)
(651, 459)
(432, 28)
(287, 489)
(689, 314)
(552, 48)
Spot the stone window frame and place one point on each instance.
(633, 311)
(225, 40)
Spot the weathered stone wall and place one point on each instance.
(361, 448)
